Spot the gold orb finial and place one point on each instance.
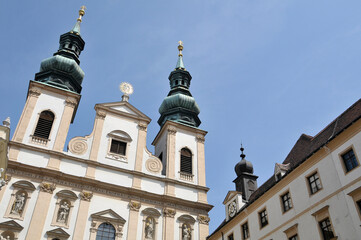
(180, 48)
(81, 13)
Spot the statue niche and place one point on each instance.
(63, 212)
(186, 232)
(19, 203)
(149, 228)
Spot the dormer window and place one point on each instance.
(119, 142)
(281, 170)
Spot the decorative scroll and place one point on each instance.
(78, 146)
(154, 165)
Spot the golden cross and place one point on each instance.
(81, 13)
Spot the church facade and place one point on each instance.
(107, 185)
(315, 193)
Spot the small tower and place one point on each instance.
(54, 95)
(246, 182)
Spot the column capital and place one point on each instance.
(203, 219)
(169, 212)
(86, 196)
(134, 206)
(47, 187)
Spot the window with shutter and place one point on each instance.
(186, 161)
(44, 125)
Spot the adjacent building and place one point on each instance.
(314, 194)
(107, 185)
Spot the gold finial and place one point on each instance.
(180, 48)
(81, 13)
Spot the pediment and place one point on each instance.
(11, 225)
(231, 195)
(108, 215)
(58, 232)
(22, 184)
(124, 108)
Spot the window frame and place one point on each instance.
(242, 231)
(341, 156)
(186, 175)
(356, 197)
(328, 226)
(283, 202)
(230, 235)
(310, 191)
(291, 231)
(120, 136)
(39, 140)
(260, 217)
(321, 215)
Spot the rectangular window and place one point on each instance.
(263, 218)
(326, 229)
(286, 201)
(118, 147)
(294, 237)
(245, 231)
(349, 160)
(230, 237)
(314, 183)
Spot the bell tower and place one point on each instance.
(54, 95)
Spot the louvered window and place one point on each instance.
(118, 147)
(44, 125)
(186, 161)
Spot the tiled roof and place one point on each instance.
(307, 145)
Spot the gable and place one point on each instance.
(11, 225)
(58, 232)
(108, 215)
(230, 196)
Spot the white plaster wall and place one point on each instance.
(112, 123)
(188, 140)
(46, 101)
(51, 212)
(30, 208)
(153, 186)
(73, 167)
(113, 177)
(32, 158)
(101, 203)
(186, 193)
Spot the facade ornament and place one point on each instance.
(154, 165)
(119, 233)
(134, 206)
(71, 102)
(19, 203)
(63, 212)
(86, 196)
(200, 138)
(203, 219)
(172, 130)
(142, 126)
(168, 212)
(7, 178)
(101, 114)
(93, 227)
(78, 146)
(47, 187)
(34, 92)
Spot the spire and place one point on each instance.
(180, 64)
(76, 28)
(179, 105)
(63, 70)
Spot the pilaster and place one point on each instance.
(25, 117)
(203, 230)
(168, 223)
(133, 219)
(82, 216)
(142, 137)
(40, 211)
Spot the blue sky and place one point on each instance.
(264, 72)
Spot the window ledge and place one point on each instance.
(186, 176)
(117, 157)
(39, 140)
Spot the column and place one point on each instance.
(133, 219)
(83, 212)
(40, 211)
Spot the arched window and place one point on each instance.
(186, 161)
(106, 231)
(44, 125)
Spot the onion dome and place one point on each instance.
(63, 70)
(243, 166)
(179, 105)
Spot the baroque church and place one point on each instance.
(107, 185)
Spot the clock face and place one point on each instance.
(232, 209)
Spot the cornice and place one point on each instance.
(38, 86)
(95, 186)
(123, 114)
(60, 155)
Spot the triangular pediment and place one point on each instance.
(231, 195)
(125, 109)
(58, 232)
(108, 215)
(11, 225)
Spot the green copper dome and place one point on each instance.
(179, 105)
(181, 101)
